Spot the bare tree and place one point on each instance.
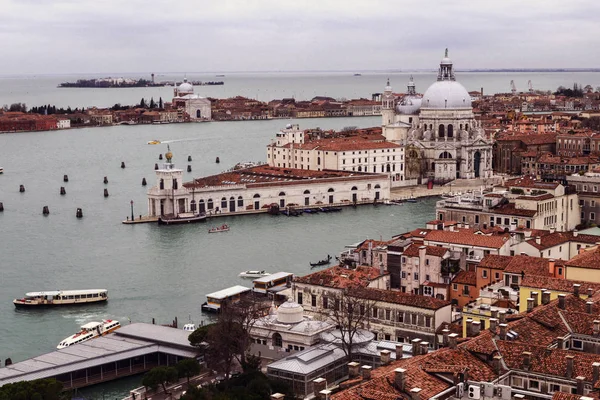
(246, 312)
(350, 314)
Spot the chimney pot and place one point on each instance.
(445, 333)
(353, 369)
(596, 372)
(596, 327)
(569, 373)
(502, 317)
(415, 347)
(399, 378)
(590, 292)
(538, 240)
(452, 340)
(385, 357)
(589, 306)
(503, 328)
(529, 304)
(366, 372)
(415, 394)
(493, 324)
(494, 314)
(497, 363)
(546, 297)
(319, 384)
(580, 384)
(561, 301)
(526, 359)
(399, 352)
(424, 348)
(469, 327)
(576, 287)
(535, 297)
(475, 328)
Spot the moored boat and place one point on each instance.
(253, 274)
(183, 218)
(216, 229)
(61, 298)
(322, 262)
(91, 330)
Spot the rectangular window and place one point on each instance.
(466, 290)
(477, 219)
(593, 203)
(374, 315)
(517, 381)
(388, 315)
(497, 275)
(299, 297)
(454, 286)
(416, 276)
(400, 316)
(427, 277)
(413, 319)
(534, 385)
(554, 388)
(428, 322)
(484, 273)
(577, 345)
(325, 302)
(592, 216)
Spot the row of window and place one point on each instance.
(591, 203)
(592, 216)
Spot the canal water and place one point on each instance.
(150, 271)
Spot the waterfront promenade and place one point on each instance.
(458, 185)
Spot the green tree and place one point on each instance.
(40, 389)
(152, 103)
(160, 102)
(160, 376)
(142, 103)
(188, 368)
(198, 337)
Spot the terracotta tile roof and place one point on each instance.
(561, 285)
(345, 144)
(413, 250)
(529, 182)
(396, 297)
(494, 261)
(589, 258)
(546, 196)
(338, 277)
(554, 239)
(511, 209)
(569, 396)
(528, 265)
(467, 238)
(466, 278)
(451, 326)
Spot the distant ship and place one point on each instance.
(357, 75)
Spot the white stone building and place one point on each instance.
(197, 107)
(291, 148)
(441, 138)
(257, 188)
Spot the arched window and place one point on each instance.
(240, 201)
(466, 127)
(198, 115)
(201, 206)
(282, 193)
(445, 155)
(354, 188)
(450, 131)
(359, 168)
(388, 168)
(209, 204)
(277, 341)
(256, 196)
(223, 203)
(430, 127)
(441, 131)
(378, 186)
(161, 185)
(318, 160)
(330, 190)
(307, 192)
(461, 126)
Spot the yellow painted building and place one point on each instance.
(553, 286)
(481, 310)
(585, 266)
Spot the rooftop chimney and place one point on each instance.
(469, 327)
(596, 327)
(399, 352)
(595, 372)
(590, 292)
(546, 297)
(445, 333)
(318, 385)
(497, 363)
(415, 346)
(538, 240)
(589, 305)
(569, 373)
(551, 264)
(475, 328)
(575, 233)
(423, 348)
(494, 313)
(560, 342)
(452, 340)
(576, 287)
(493, 324)
(353, 369)
(580, 384)
(415, 394)
(366, 372)
(561, 301)
(535, 296)
(503, 328)
(526, 360)
(385, 357)
(502, 317)
(529, 304)
(399, 378)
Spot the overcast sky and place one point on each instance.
(64, 36)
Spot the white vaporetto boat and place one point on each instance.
(89, 331)
(253, 274)
(61, 298)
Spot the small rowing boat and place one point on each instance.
(216, 229)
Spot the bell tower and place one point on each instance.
(387, 105)
(445, 72)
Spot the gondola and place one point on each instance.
(322, 262)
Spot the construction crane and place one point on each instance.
(513, 88)
(530, 85)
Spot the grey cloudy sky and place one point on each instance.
(63, 36)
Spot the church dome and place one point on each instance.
(446, 94)
(290, 312)
(185, 87)
(409, 106)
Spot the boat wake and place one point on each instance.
(180, 140)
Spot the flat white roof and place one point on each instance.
(65, 292)
(272, 277)
(232, 291)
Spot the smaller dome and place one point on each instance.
(446, 61)
(290, 312)
(409, 106)
(169, 156)
(185, 87)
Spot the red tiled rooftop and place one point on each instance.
(396, 297)
(436, 251)
(466, 278)
(495, 261)
(340, 278)
(589, 258)
(467, 237)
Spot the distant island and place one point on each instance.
(127, 83)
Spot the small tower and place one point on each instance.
(387, 105)
(169, 184)
(411, 88)
(445, 72)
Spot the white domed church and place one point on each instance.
(441, 137)
(198, 108)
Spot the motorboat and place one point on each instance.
(189, 327)
(183, 218)
(253, 274)
(321, 262)
(61, 298)
(89, 331)
(154, 142)
(216, 229)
